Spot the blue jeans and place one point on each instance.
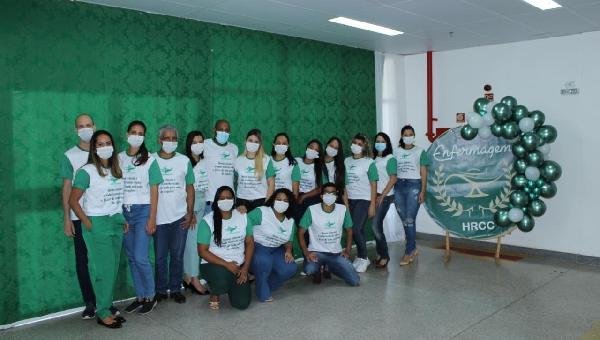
(169, 243)
(359, 211)
(338, 265)
(407, 204)
(377, 225)
(270, 269)
(136, 242)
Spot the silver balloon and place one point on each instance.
(526, 124)
(475, 121)
(532, 173)
(488, 119)
(544, 149)
(484, 132)
(515, 215)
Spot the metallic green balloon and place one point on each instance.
(530, 184)
(519, 112)
(526, 224)
(501, 218)
(518, 150)
(530, 141)
(510, 130)
(468, 132)
(537, 207)
(510, 101)
(539, 183)
(479, 105)
(550, 171)
(547, 133)
(548, 190)
(527, 190)
(536, 191)
(520, 165)
(496, 129)
(538, 118)
(535, 158)
(518, 181)
(532, 196)
(502, 112)
(519, 199)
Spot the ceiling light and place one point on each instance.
(365, 26)
(543, 4)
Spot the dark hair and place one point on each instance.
(388, 145)
(141, 156)
(338, 161)
(487, 87)
(319, 164)
(218, 216)
(330, 185)
(289, 213)
(404, 128)
(288, 153)
(365, 140)
(222, 121)
(188, 145)
(113, 161)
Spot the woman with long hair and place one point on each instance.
(287, 172)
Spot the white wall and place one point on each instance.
(534, 72)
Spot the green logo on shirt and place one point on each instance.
(352, 166)
(114, 181)
(250, 169)
(405, 155)
(225, 155)
(130, 168)
(329, 224)
(277, 170)
(166, 171)
(305, 171)
(281, 230)
(231, 230)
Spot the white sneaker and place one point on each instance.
(362, 265)
(356, 262)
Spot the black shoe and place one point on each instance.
(134, 305)
(115, 324)
(120, 319)
(326, 273)
(148, 306)
(161, 296)
(114, 311)
(316, 278)
(88, 313)
(178, 297)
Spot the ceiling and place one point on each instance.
(428, 24)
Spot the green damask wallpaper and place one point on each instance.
(58, 58)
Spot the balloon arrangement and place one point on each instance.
(535, 174)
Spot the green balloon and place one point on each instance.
(527, 190)
(538, 118)
(510, 101)
(530, 184)
(532, 196)
(548, 190)
(539, 183)
(529, 141)
(501, 112)
(510, 130)
(468, 132)
(536, 191)
(520, 165)
(547, 133)
(526, 224)
(518, 150)
(479, 105)
(496, 129)
(534, 158)
(537, 207)
(520, 112)
(501, 218)
(518, 181)
(519, 199)
(550, 171)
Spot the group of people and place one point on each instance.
(231, 217)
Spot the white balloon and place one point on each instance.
(490, 106)
(544, 149)
(488, 119)
(515, 215)
(484, 132)
(532, 173)
(526, 124)
(475, 121)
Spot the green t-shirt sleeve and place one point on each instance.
(294, 228)
(82, 180)
(270, 169)
(392, 166)
(296, 173)
(306, 220)
(347, 220)
(324, 178)
(372, 173)
(155, 177)
(65, 168)
(204, 233)
(189, 176)
(424, 159)
(254, 217)
(249, 229)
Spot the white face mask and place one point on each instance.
(225, 205)
(105, 152)
(331, 152)
(135, 140)
(329, 198)
(280, 206)
(252, 147)
(281, 149)
(85, 134)
(197, 148)
(169, 147)
(311, 154)
(408, 139)
(356, 149)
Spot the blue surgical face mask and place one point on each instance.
(380, 147)
(222, 137)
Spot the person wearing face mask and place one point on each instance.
(361, 189)
(335, 167)
(220, 156)
(410, 188)
(194, 150)
(255, 174)
(100, 183)
(141, 177)
(175, 214)
(225, 245)
(312, 176)
(386, 169)
(273, 262)
(287, 172)
(327, 221)
(73, 159)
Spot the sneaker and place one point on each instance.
(88, 313)
(134, 305)
(178, 297)
(356, 262)
(114, 311)
(362, 265)
(148, 306)
(303, 273)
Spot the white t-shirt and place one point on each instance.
(200, 186)
(331, 171)
(285, 174)
(386, 166)
(410, 162)
(325, 229)
(220, 162)
(103, 196)
(233, 235)
(177, 173)
(138, 179)
(307, 175)
(72, 160)
(268, 230)
(359, 175)
(248, 186)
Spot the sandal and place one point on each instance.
(413, 256)
(115, 324)
(405, 260)
(379, 265)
